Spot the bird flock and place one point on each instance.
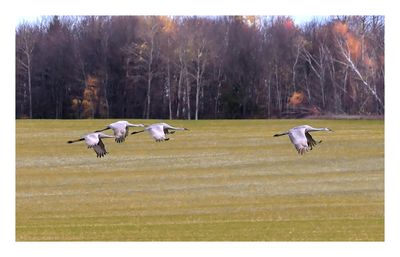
(299, 136)
(121, 130)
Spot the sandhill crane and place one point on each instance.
(159, 131)
(301, 138)
(121, 129)
(93, 140)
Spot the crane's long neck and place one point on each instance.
(175, 128)
(101, 135)
(134, 125)
(166, 126)
(318, 129)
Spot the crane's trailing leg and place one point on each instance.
(102, 129)
(73, 141)
(135, 132)
(282, 134)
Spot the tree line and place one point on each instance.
(189, 67)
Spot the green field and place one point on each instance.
(224, 180)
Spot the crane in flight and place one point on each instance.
(301, 138)
(93, 140)
(120, 129)
(159, 131)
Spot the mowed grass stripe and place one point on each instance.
(219, 176)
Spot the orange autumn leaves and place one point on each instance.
(93, 102)
(355, 45)
(296, 98)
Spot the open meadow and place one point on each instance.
(224, 180)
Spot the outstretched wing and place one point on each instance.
(100, 149)
(310, 141)
(157, 132)
(126, 131)
(120, 131)
(298, 139)
(167, 131)
(92, 139)
(301, 148)
(121, 135)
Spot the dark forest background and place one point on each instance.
(187, 67)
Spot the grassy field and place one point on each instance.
(225, 180)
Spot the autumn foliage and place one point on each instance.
(93, 99)
(352, 41)
(191, 67)
(296, 98)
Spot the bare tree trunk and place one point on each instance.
(294, 68)
(217, 99)
(347, 57)
(218, 95)
(149, 78)
(169, 88)
(124, 93)
(105, 86)
(187, 93)
(200, 63)
(29, 84)
(93, 105)
(57, 101)
(267, 85)
(27, 49)
(309, 97)
(322, 75)
(336, 87)
(105, 81)
(278, 93)
(318, 70)
(150, 71)
(148, 98)
(179, 98)
(196, 114)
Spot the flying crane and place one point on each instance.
(301, 138)
(159, 131)
(120, 129)
(93, 140)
